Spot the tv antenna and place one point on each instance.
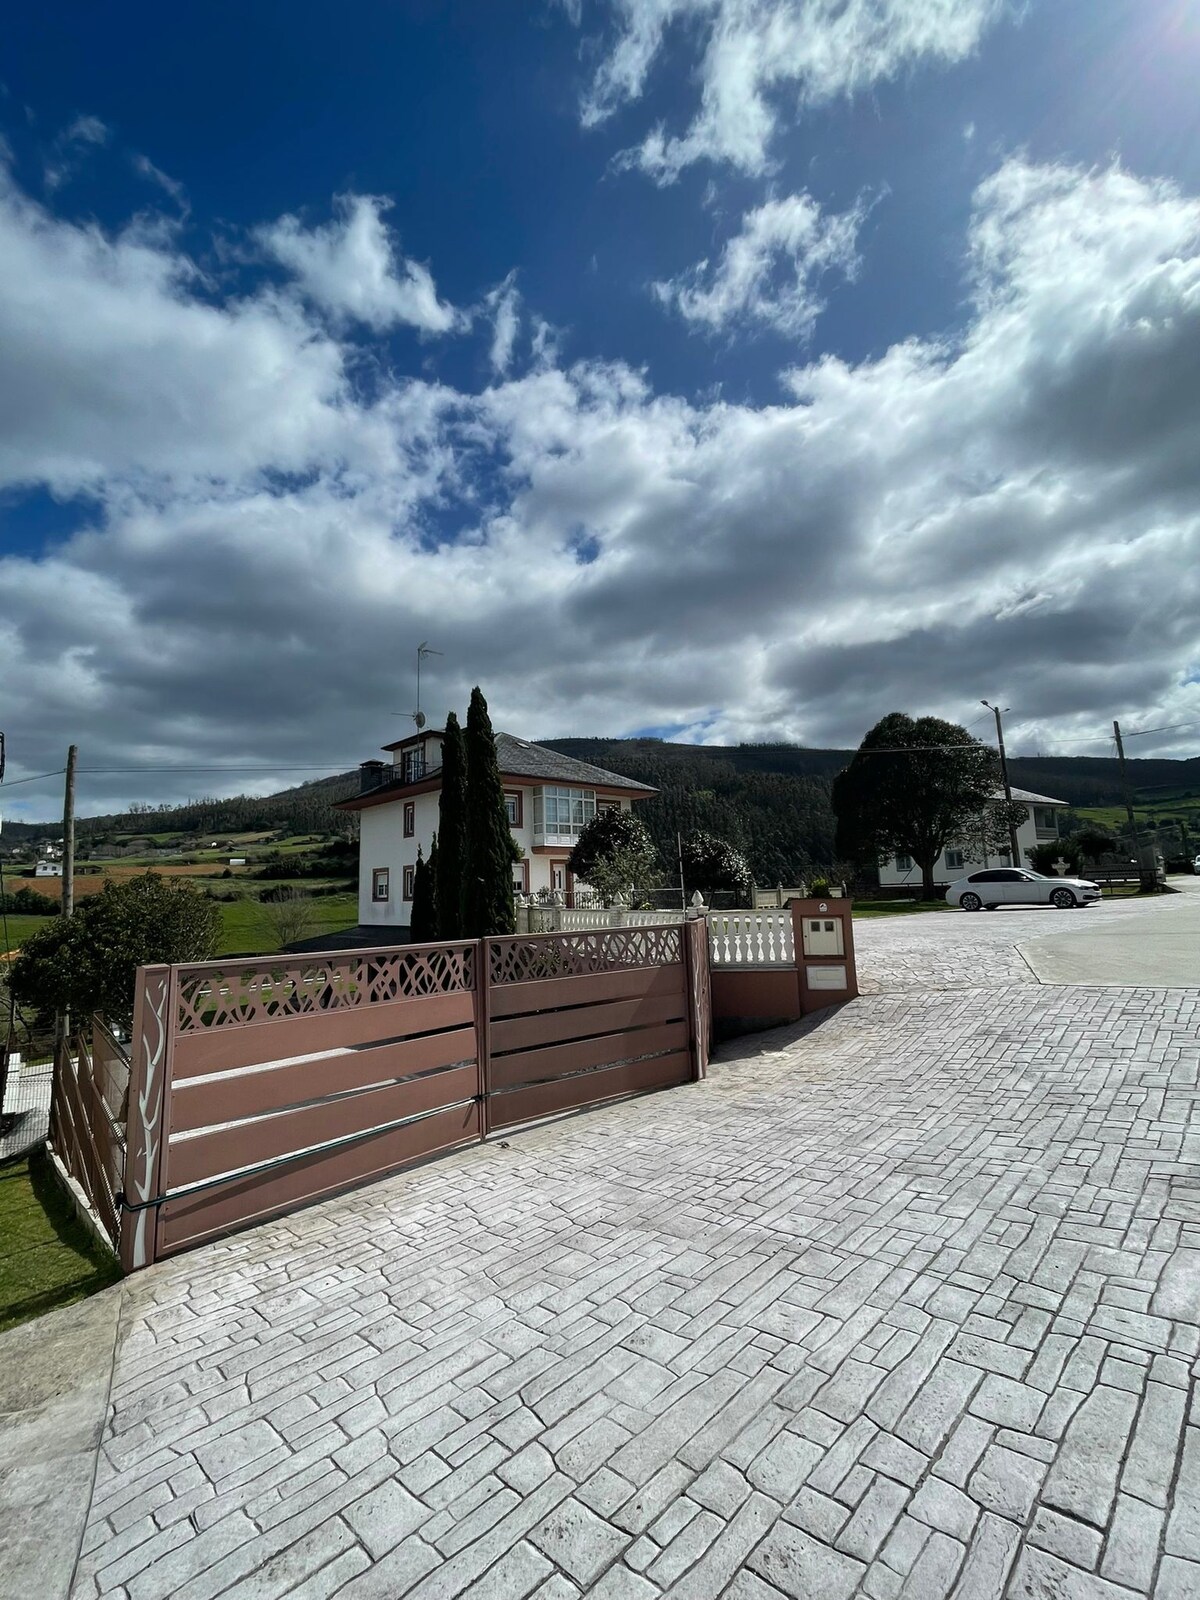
(423, 650)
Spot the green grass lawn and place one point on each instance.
(245, 931)
(897, 908)
(47, 1257)
(19, 929)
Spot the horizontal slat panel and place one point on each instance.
(564, 1094)
(204, 1155)
(547, 1027)
(593, 988)
(198, 1103)
(190, 1219)
(218, 1049)
(531, 1066)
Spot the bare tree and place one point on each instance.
(288, 916)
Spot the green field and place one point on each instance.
(20, 928)
(245, 930)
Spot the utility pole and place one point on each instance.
(62, 1022)
(68, 882)
(1014, 842)
(1149, 877)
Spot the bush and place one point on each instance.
(614, 854)
(88, 962)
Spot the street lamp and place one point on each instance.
(1012, 827)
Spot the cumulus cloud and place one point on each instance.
(761, 59)
(1012, 512)
(114, 366)
(770, 270)
(351, 267)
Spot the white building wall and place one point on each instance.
(946, 870)
(382, 845)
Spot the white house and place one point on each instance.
(1039, 827)
(48, 869)
(550, 797)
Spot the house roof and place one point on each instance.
(516, 758)
(1030, 798)
(520, 759)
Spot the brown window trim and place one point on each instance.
(524, 866)
(407, 882)
(410, 818)
(381, 877)
(519, 796)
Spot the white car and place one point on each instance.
(1018, 886)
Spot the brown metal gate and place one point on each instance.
(259, 1086)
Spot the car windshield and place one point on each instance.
(1041, 876)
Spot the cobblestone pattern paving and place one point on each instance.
(904, 1305)
(945, 950)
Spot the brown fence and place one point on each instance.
(87, 1119)
(258, 1086)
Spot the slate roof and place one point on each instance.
(520, 759)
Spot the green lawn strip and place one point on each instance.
(47, 1257)
(897, 908)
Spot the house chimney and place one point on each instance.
(370, 775)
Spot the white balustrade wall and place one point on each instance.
(751, 939)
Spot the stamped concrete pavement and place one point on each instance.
(900, 1303)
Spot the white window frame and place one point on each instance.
(381, 878)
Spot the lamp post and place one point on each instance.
(1012, 827)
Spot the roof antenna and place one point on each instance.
(423, 650)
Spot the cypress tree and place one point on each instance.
(434, 925)
(422, 925)
(452, 834)
(489, 895)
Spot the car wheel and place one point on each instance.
(1063, 899)
(970, 902)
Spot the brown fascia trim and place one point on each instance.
(388, 792)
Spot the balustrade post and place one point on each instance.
(483, 1031)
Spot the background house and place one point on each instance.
(550, 799)
(1040, 827)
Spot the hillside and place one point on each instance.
(770, 800)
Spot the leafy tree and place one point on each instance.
(489, 883)
(710, 863)
(423, 922)
(912, 788)
(1043, 856)
(615, 854)
(87, 962)
(1094, 841)
(452, 834)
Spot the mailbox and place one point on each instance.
(822, 936)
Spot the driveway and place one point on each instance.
(904, 1302)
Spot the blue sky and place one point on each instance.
(746, 367)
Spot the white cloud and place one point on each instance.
(352, 268)
(70, 147)
(761, 59)
(504, 302)
(114, 367)
(770, 270)
(1013, 513)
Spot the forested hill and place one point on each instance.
(772, 801)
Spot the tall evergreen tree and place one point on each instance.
(434, 924)
(452, 834)
(423, 923)
(489, 891)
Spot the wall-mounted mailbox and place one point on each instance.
(822, 936)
